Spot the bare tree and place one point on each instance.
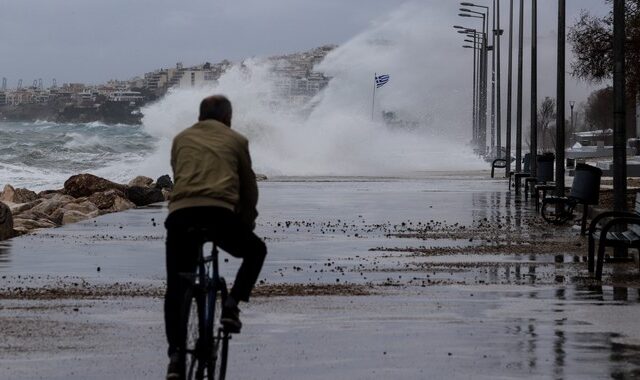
(591, 38)
(599, 109)
(546, 115)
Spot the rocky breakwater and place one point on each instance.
(84, 196)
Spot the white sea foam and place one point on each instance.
(338, 137)
(82, 141)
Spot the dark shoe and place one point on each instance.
(176, 367)
(230, 319)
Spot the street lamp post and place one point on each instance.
(619, 113)
(472, 33)
(497, 59)
(509, 92)
(519, 98)
(571, 104)
(560, 99)
(483, 105)
(482, 138)
(478, 37)
(534, 88)
(473, 117)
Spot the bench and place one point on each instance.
(617, 229)
(518, 176)
(585, 190)
(540, 192)
(544, 175)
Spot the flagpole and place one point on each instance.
(373, 99)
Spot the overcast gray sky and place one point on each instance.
(96, 40)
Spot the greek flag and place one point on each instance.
(381, 80)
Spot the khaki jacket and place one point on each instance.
(212, 167)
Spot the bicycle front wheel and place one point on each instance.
(217, 363)
(192, 313)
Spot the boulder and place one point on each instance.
(8, 194)
(85, 207)
(17, 198)
(24, 196)
(121, 204)
(164, 182)
(22, 225)
(17, 208)
(49, 193)
(36, 215)
(6, 222)
(143, 196)
(20, 230)
(73, 216)
(49, 206)
(105, 199)
(83, 185)
(141, 181)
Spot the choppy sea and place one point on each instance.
(42, 155)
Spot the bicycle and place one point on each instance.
(207, 343)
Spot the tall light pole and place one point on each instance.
(619, 116)
(509, 92)
(562, 9)
(475, 46)
(473, 140)
(478, 38)
(534, 87)
(472, 33)
(571, 104)
(492, 49)
(482, 138)
(497, 58)
(619, 113)
(519, 98)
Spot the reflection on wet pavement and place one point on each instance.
(464, 267)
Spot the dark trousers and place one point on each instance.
(228, 233)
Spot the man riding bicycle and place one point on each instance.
(215, 188)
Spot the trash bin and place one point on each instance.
(586, 184)
(544, 172)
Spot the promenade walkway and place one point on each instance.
(436, 276)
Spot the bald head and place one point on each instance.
(216, 107)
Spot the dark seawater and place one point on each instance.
(42, 155)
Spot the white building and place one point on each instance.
(126, 96)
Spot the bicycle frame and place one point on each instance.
(205, 285)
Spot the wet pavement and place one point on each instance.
(456, 278)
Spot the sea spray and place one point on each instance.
(330, 134)
(333, 133)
